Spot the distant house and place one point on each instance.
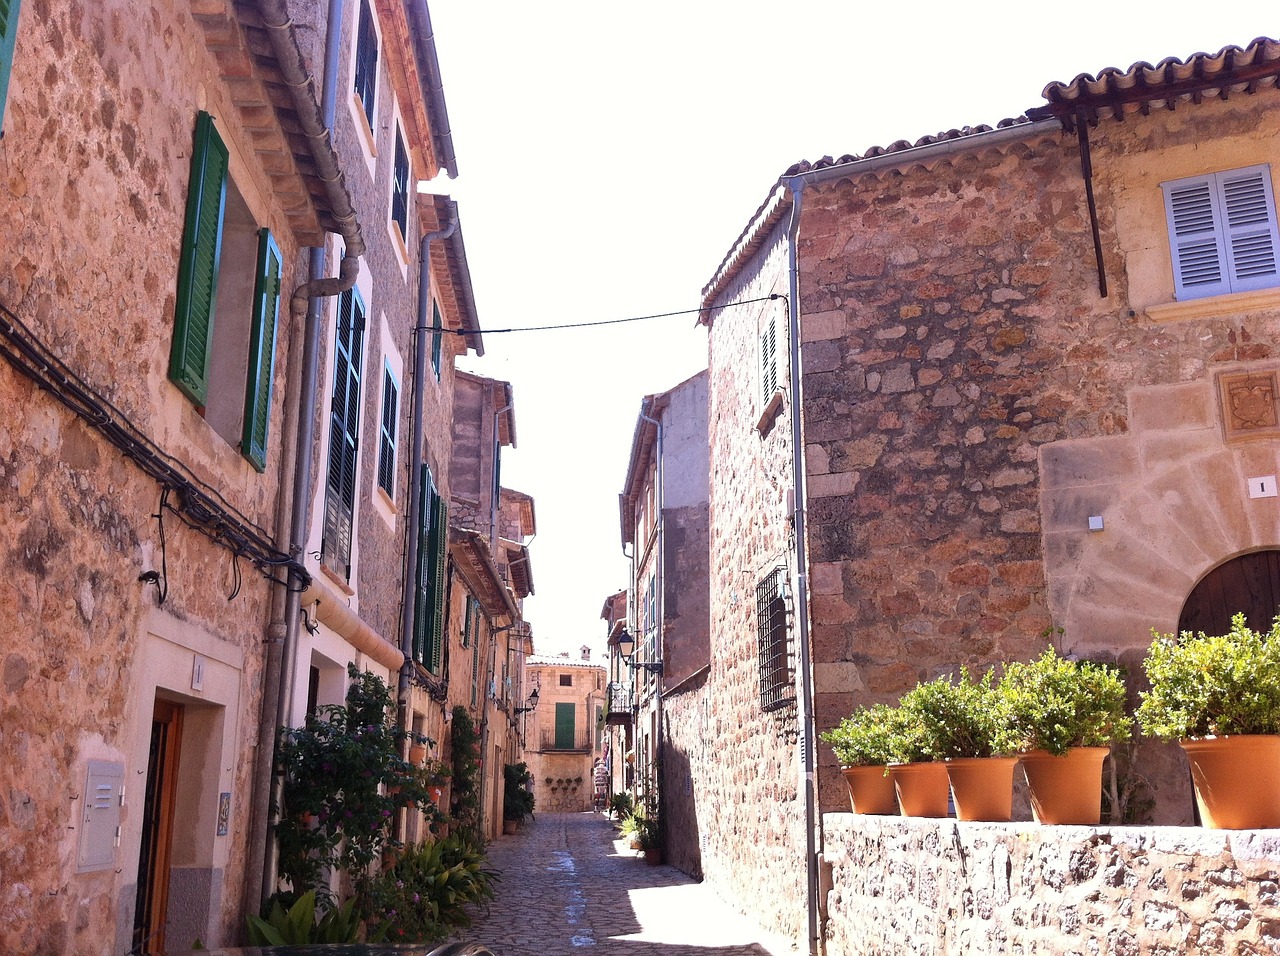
(1035, 385)
(565, 730)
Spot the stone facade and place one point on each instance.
(970, 400)
(562, 760)
(898, 886)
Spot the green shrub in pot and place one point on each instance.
(1055, 704)
(865, 738)
(945, 719)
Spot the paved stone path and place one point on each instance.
(570, 887)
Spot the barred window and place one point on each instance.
(777, 652)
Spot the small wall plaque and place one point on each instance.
(1249, 408)
(224, 813)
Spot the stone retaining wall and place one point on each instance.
(899, 885)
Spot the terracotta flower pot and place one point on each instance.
(870, 790)
(982, 787)
(1066, 789)
(1237, 780)
(922, 788)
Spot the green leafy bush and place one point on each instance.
(429, 890)
(298, 924)
(1213, 686)
(865, 738)
(621, 805)
(1055, 704)
(466, 773)
(344, 780)
(517, 802)
(945, 719)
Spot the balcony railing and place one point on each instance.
(552, 741)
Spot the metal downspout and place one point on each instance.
(804, 677)
(659, 644)
(316, 121)
(414, 515)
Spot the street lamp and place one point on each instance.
(530, 704)
(627, 647)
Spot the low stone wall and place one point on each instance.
(914, 886)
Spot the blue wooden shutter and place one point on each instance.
(387, 435)
(8, 39)
(262, 352)
(344, 428)
(400, 188)
(1249, 213)
(198, 263)
(366, 83)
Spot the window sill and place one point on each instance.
(770, 413)
(1215, 306)
(337, 579)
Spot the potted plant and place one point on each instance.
(965, 724)
(649, 836)
(1065, 715)
(1219, 698)
(863, 744)
(518, 799)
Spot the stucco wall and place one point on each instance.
(915, 886)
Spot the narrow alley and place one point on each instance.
(567, 884)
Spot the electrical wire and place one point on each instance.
(589, 325)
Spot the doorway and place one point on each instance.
(1248, 584)
(151, 910)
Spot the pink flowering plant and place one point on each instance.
(344, 782)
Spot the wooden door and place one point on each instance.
(1249, 584)
(151, 912)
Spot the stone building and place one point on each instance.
(211, 466)
(564, 730)
(663, 514)
(619, 716)
(1034, 384)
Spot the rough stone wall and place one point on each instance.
(685, 623)
(750, 809)
(687, 755)
(94, 166)
(915, 886)
(970, 399)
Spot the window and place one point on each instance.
(437, 338)
(777, 655)
(769, 360)
(566, 680)
(366, 82)
(1222, 232)
(468, 620)
(8, 38)
(387, 433)
(433, 536)
(344, 434)
(566, 720)
(475, 670)
(228, 302)
(400, 188)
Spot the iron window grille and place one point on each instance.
(776, 648)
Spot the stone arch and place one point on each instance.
(1167, 524)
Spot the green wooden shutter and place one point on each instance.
(198, 265)
(433, 537)
(566, 719)
(344, 433)
(262, 352)
(8, 39)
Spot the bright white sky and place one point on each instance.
(609, 153)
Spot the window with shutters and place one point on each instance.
(1222, 232)
(344, 435)
(400, 190)
(437, 338)
(772, 342)
(365, 85)
(566, 724)
(228, 303)
(8, 39)
(429, 610)
(387, 433)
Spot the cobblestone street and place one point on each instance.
(568, 885)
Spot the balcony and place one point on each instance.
(551, 742)
(618, 713)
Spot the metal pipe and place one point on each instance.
(316, 120)
(804, 676)
(414, 516)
